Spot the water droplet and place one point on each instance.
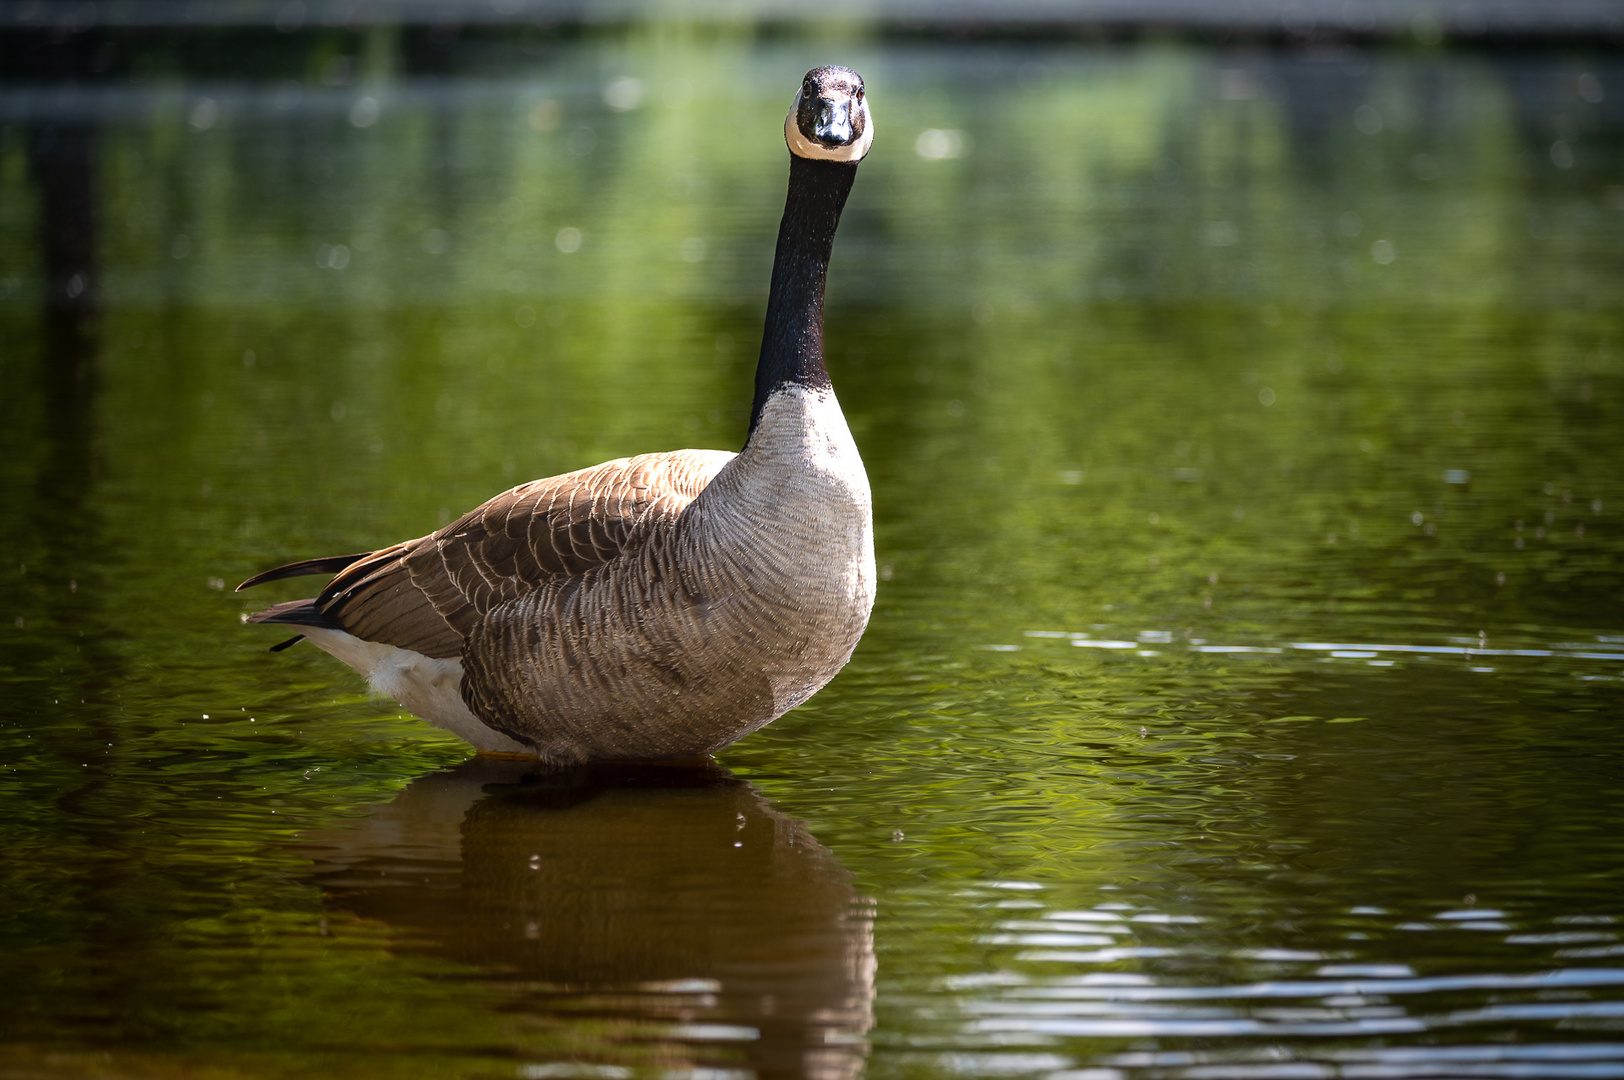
(364, 113)
(204, 114)
(939, 144)
(623, 94)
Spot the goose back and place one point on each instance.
(425, 595)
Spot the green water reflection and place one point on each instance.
(1243, 691)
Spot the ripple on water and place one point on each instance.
(1064, 986)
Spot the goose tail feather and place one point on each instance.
(295, 613)
(331, 564)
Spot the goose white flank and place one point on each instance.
(658, 606)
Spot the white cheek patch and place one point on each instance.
(801, 146)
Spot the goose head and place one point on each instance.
(829, 120)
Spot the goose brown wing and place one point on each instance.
(427, 594)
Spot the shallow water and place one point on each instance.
(1243, 695)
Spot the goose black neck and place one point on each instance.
(792, 343)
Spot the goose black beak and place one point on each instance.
(832, 123)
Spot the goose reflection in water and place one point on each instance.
(672, 898)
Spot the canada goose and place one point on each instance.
(658, 606)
